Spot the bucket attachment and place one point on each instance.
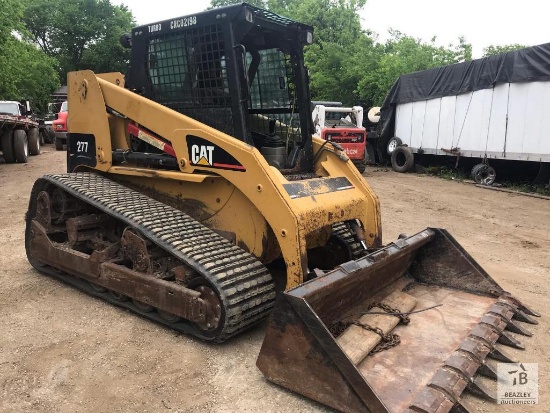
(409, 327)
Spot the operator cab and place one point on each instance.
(238, 69)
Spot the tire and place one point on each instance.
(58, 144)
(392, 144)
(361, 166)
(402, 159)
(485, 175)
(474, 170)
(21, 146)
(50, 135)
(7, 146)
(34, 141)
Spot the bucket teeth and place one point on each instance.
(487, 369)
(518, 328)
(508, 340)
(479, 389)
(522, 316)
(520, 306)
(499, 354)
(528, 311)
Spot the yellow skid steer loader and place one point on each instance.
(195, 192)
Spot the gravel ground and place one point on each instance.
(62, 351)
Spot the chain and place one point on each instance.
(403, 318)
(387, 340)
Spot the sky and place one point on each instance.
(481, 22)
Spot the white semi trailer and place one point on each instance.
(491, 108)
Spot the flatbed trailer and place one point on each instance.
(20, 135)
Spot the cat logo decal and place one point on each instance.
(205, 153)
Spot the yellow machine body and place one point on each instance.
(265, 213)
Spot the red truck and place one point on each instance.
(343, 126)
(60, 127)
(20, 135)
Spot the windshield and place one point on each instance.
(9, 107)
(64, 107)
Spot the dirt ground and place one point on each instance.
(62, 351)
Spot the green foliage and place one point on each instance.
(446, 172)
(41, 40)
(10, 17)
(345, 62)
(9, 10)
(25, 71)
(108, 55)
(335, 21)
(220, 3)
(494, 50)
(335, 58)
(405, 54)
(32, 74)
(80, 34)
(539, 189)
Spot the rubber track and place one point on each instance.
(244, 284)
(342, 231)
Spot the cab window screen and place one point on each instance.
(187, 73)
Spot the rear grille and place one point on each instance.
(345, 137)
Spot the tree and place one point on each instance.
(25, 71)
(220, 3)
(494, 50)
(10, 12)
(405, 54)
(108, 55)
(339, 44)
(345, 61)
(33, 74)
(79, 33)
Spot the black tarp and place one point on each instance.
(529, 64)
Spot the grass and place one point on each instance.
(445, 172)
(531, 188)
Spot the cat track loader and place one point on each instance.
(197, 197)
